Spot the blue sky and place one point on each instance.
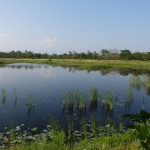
(58, 26)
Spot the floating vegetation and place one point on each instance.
(54, 132)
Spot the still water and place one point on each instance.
(31, 93)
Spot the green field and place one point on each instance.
(86, 64)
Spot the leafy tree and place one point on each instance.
(125, 54)
(104, 52)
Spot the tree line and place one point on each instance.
(103, 54)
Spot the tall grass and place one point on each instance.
(29, 102)
(4, 94)
(129, 98)
(108, 100)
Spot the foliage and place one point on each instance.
(142, 127)
(103, 54)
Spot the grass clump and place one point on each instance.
(129, 98)
(29, 102)
(94, 93)
(108, 100)
(4, 94)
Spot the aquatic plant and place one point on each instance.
(94, 125)
(94, 92)
(29, 102)
(3, 96)
(15, 97)
(3, 93)
(80, 100)
(129, 98)
(137, 82)
(15, 94)
(108, 100)
(68, 99)
(83, 127)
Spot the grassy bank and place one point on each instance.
(85, 64)
(124, 141)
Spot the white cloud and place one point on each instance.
(46, 43)
(5, 34)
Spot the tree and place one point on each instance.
(125, 54)
(104, 52)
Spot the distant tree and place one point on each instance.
(89, 54)
(137, 55)
(125, 54)
(104, 52)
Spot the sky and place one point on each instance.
(59, 26)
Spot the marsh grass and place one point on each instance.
(136, 82)
(129, 98)
(108, 100)
(54, 137)
(68, 99)
(80, 99)
(29, 102)
(4, 94)
(94, 93)
(15, 97)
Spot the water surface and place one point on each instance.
(45, 85)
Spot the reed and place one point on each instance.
(3, 96)
(94, 125)
(29, 102)
(108, 100)
(94, 92)
(129, 98)
(15, 94)
(80, 100)
(137, 82)
(68, 99)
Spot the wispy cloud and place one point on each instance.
(46, 43)
(5, 34)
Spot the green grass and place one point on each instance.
(94, 93)
(85, 64)
(124, 141)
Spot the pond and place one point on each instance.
(31, 93)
